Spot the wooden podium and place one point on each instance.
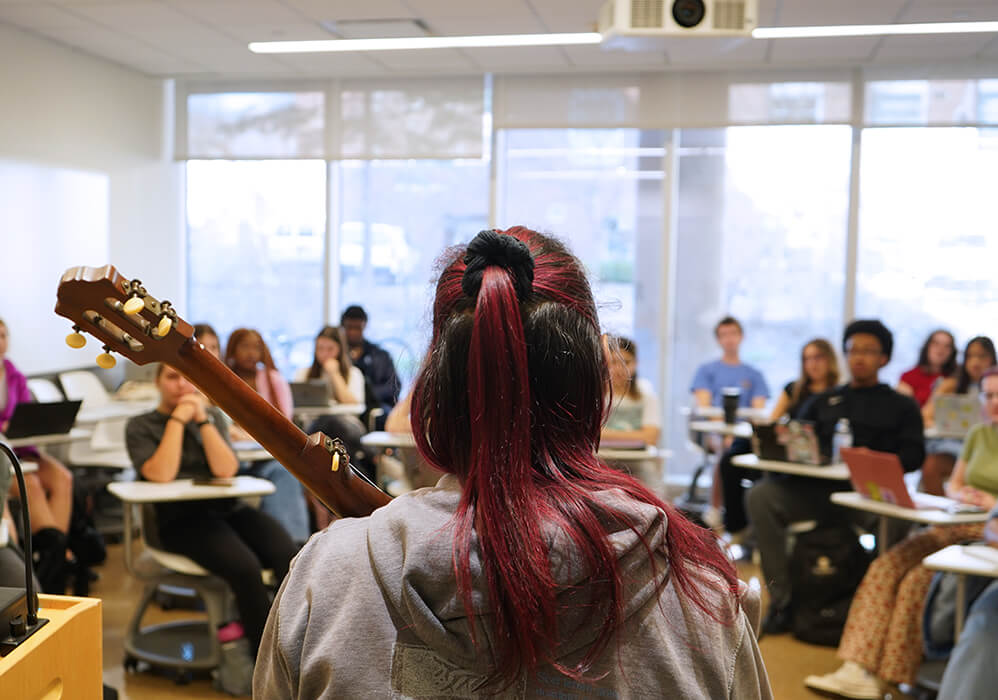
(61, 660)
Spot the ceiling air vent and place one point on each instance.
(647, 14)
(729, 15)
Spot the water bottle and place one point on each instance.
(842, 438)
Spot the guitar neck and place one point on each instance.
(307, 457)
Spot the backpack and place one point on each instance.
(826, 567)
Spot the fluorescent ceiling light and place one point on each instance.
(874, 30)
(424, 42)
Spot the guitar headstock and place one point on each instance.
(121, 314)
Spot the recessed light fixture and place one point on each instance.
(874, 30)
(424, 42)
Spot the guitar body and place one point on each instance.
(94, 299)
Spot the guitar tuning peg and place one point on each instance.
(165, 324)
(76, 339)
(106, 360)
(134, 305)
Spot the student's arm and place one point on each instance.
(164, 463)
(781, 408)
(701, 388)
(341, 390)
(760, 390)
(905, 389)
(648, 434)
(946, 386)
(221, 459)
(285, 404)
(703, 397)
(759, 402)
(398, 419)
(957, 486)
(911, 437)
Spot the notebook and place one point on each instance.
(314, 392)
(53, 418)
(795, 441)
(879, 476)
(956, 414)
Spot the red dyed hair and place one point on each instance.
(511, 398)
(239, 335)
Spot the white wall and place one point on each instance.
(87, 178)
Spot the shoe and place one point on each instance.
(850, 681)
(777, 621)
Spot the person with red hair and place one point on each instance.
(532, 569)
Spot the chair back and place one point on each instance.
(84, 385)
(45, 390)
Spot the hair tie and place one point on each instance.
(508, 252)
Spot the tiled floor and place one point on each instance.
(787, 660)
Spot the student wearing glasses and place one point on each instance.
(879, 417)
(882, 640)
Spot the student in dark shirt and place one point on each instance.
(373, 361)
(179, 440)
(880, 419)
(819, 371)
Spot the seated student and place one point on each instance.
(634, 413)
(49, 490)
(597, 587)
(882, 640)
(819, 372)
(375, 363)
(249, 357)
(11, 556)
(180, 439)
(712, 378)
(936, 360)
(942, 453)
(331, 362)
(287, 504)
(880, 419)
(971, 673)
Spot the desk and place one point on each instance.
(754, 415)
(964, 560)
(114, 409)
(74, 435)
(63, 658)
(250, 451)
(835, 472)
(740, 429)
(933, 432)
(309, 413)
(186, 490)
(852, 499)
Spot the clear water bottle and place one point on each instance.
(842, 438)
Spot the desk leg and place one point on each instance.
(882, 535)
(961, 601)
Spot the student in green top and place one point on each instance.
(882, 640)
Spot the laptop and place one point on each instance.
(795, 441)
(31, 419)
(879, 476)
(314, 392)
(956, 414)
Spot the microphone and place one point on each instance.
(19, 607)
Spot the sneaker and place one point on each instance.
(850, 681)
(777, 621)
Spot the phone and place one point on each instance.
(212, 481)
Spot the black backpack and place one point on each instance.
(826, 567)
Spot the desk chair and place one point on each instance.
(86, 386)
(45, 391)
(97, 463)
(186, 645)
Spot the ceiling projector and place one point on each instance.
(655, 19)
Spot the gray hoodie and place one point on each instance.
(370, 610)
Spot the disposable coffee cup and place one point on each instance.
(731, 397)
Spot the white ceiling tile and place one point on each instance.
(930, 48)
(484, 10)
(957, 12)
(277, 32)
(590, 57)
(41, 17)
(714, 52)
(226, 13)
(434, 59)
(526, 56)
(795, 13)
(568, 15)
(190, 37)
(132, 16)
(818, 50)
(339, 10)
(450, 26)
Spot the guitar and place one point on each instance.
(131, 322)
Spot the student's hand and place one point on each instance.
(237, 434)
(190, 407)
(332, 366)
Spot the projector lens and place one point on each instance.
(688, 13)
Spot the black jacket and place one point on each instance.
(379, 371)
(881, 419)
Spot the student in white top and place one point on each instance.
(332, 363)
(634, 412)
